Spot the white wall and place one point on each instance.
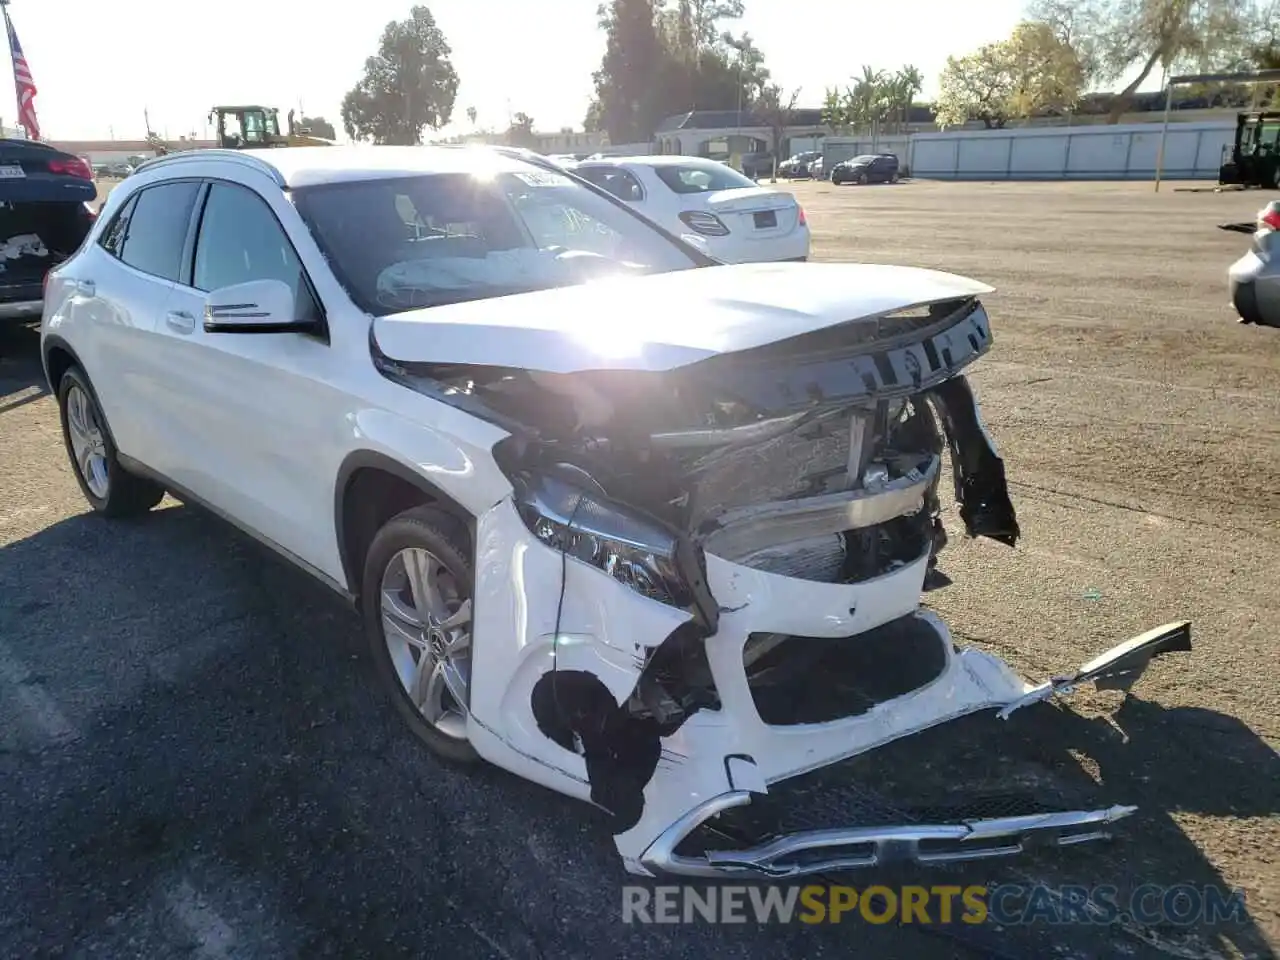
(1193, 150)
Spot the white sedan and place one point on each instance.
(735, 219)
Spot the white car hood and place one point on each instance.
(662, 321)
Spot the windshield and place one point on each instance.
(701, 177)
(410, 242)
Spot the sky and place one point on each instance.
(535, 56)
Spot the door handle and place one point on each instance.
(180, 320)
(87, 287)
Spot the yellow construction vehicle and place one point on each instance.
(255, 127)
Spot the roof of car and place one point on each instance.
(659, 160)
(309, 166)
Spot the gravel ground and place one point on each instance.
(193, 760)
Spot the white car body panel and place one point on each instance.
(264, 428)
(665, 321)
(745, 243)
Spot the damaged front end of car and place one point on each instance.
(673, 607)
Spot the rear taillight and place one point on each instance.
(804, 221)
(707, 224)
(74, 167)
(1269, 216)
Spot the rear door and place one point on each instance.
(121, 286)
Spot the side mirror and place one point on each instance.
(258, 306)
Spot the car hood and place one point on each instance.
(662, 321)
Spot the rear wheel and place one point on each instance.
(110, 489)
(417, 589)
(862, 179)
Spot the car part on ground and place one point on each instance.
(632, 539)
(1254, 279)
(44, 217)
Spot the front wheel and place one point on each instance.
(417, 590)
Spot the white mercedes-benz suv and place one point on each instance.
(620, 519)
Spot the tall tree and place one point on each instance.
(665, 57)
(776, 108)
(471, 115)
(634, 59)
(317, 127)
(407, 86)
(520, 133)
(1029, 73)
(1131, 38)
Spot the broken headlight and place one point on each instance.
(633, 548)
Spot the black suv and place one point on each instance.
(869, 168)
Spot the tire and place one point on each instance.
(862, 180)
(110, 489)
(403, 641)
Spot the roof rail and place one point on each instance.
(191, 156)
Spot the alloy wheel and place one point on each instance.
(426, 622)
(88, 443)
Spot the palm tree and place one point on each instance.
(909, 82)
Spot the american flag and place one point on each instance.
(23, 83)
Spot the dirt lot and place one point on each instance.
(191, 759)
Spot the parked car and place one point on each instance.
(816, 169)
(45, 214)
(757, 165)
(736, 219)
(797, 167)
(590, 527)
(868, 168)
(1254, 279)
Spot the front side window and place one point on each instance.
(701, 177)
(156, 229)
(408, 242)
(241, 240)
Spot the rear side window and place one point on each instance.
(112, 239)
(241, 240)
(620, 183)
(151, 237)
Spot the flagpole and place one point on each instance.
(8, 25)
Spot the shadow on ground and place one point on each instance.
(223, 731)
(21, 376)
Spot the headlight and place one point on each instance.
(627, 545)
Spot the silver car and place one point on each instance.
(1255, 278)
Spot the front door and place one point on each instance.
(257, 404)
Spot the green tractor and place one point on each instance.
(1255, 155)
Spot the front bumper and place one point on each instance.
(601, 633)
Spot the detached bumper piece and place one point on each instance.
(850, 848)
(1117, 669)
